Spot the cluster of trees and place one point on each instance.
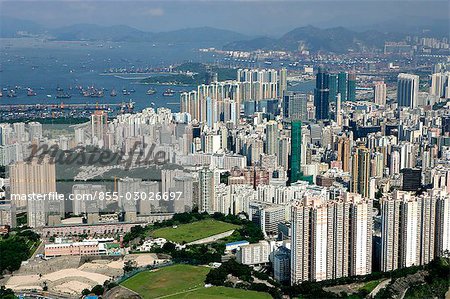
(246, 275)
(97, 290)
(248, 231)
(437, 281)
(197, 254)
(15, 249)
(6, 293)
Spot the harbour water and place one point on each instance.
(45, 66)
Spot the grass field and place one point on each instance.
(166, 281)
(193, 231)
(183, 281)
(221, 293)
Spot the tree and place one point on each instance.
(129, 266)
(98, 290)
(85, 292)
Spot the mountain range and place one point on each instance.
(10, 27)
(337, 39)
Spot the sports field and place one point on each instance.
(182, 281)
(221, 293)
(193, 231)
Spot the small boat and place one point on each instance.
(12, 94)
(113, 93)
(168, 93)
(150, 91)
(1, 93)
(30, 92)
(132, 90)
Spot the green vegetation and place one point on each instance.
(222, 292)
(182, 281)
(6, 293)
(186, 233)
(199, 71)
(369, 286)
(166, 281)
(246, 275)
(17, 248)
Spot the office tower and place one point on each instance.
(342, 86)
(344, 152)
(295, 106)
(295, 159)
(272, 138)
(361, 171)
(338, 114)
(394, 165)
(283, 82)
(99, 126)
(439, 82)
(407, 90)
(333, 87)
(321, 93)
(379, 93)
(351, 85)
(331, 238)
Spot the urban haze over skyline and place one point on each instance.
(272, 18)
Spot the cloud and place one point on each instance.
(153, 12)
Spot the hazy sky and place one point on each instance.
(251, 17)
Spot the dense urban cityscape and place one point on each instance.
(312, 165)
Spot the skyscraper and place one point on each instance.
(331, 238)
(351, 85)
(272, 137)
(321, 93)
(295, 159)
(379, 93)
(295, 106)
(342, 86)
(283, 82)
(407, 90)
(361, 171)
(99, 123)
(344, 152)
(333, 86)
(413, 228)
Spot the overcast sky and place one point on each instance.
(250, 17)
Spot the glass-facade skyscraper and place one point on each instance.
(342, 85)
(351, 96)
(295, 173)
(321, 94)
